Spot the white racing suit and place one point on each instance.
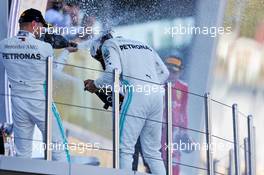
(141, 112)
(24, 58)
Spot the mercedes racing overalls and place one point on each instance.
(24, 58)
(142, 110)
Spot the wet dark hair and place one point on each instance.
(103, 39)
(99, 55)
(23, 24)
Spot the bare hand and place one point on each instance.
(90, 86)
(72, 49)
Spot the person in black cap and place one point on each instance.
(180, 118)
(32, 21)
(24, 57)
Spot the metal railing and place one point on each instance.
(116, 120)
(249, 147)
(208, 126)
(236, 139)
(49, 85)
(169, 126)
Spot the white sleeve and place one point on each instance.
(61, 60)
(112, 61)
(162, 71)
(58, 63)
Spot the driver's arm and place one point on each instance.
(112, 61)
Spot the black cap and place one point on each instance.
(32, 15)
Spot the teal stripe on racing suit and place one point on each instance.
(59, 122)
(125, 107)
